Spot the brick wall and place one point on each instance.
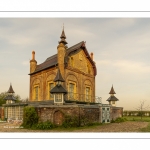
(56, 114)
(84, 113)
(116, 112)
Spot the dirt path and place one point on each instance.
(128, 126)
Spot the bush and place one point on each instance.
(70, 121)
(44, 125)
(30, 117)
(118, 120)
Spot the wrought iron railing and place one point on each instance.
(82, 98)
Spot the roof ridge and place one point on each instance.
(74, 45)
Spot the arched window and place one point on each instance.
(36, 92)
(51, 86)
(72, 90)
(87, 94)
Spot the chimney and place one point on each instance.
(91, 55)
(33, 55)
(33, 63)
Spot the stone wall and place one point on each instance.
(84, 113)
(57, 114)
(116, 112)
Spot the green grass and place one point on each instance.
(70, 129)
(137, 118)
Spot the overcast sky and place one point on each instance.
(121, 50)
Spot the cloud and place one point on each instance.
(125, 66)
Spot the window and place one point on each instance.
(72, 90)
(88, 69)
(36, 92)
(51, 86)
(58, 98)
(87, 93)
(113, 102)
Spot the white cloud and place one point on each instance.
(125, 66)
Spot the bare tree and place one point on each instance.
(142, 107)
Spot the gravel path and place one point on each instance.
(128, 126)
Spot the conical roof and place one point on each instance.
(112, 98)
(58, 89)
(10, 97)
(63, 37)
(10, 89)
(59, 77)
(112, 90)
(63, 34)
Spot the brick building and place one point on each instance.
(64, 84)
(77, 69)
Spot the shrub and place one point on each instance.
(44, 125)
(70, 121)
(30, 117)
(118, 120)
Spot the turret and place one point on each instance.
(61, 50)
(112, 99)
(10, 98)
(33, 63)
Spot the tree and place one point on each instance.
(25, 100)
(4, 94)
(141, 108)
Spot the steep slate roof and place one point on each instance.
(48, 63)
(59, 77)
(10, 97)
(112, 98)
(58, 89)
(10, 89)
(112, 90)
(52, 61)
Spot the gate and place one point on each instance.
(105, 114)
(58, 118)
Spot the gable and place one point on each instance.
(79, 61)
(79, 50)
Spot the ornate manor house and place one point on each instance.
(64, 85)
(76, 67)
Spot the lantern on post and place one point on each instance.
(58, 91)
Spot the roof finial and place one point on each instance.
(112, 91)
(63, 36)
(10, 90)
